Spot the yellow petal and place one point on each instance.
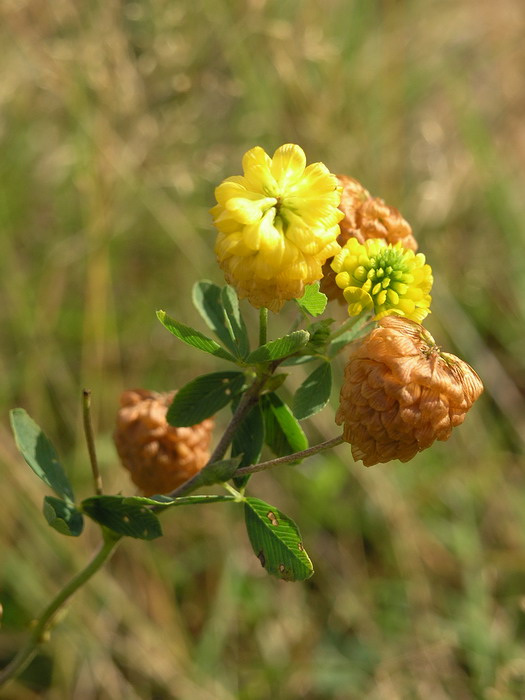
(318, 180)
(228, 189)
(358, 300)
(256, 164)
(288, 164)
(248, 210)
(263, 235)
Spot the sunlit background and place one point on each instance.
(117, 120)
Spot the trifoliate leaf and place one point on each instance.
(193, 337)
(276, 541)
(203, 397)
(314, 392)
(39, 453)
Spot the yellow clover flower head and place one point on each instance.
(384, 278)
(278, 224)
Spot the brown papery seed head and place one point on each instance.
(158, 456)
(375, 219)
(400, 393)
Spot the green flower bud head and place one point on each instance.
(383, 278)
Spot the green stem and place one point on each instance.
(249, 399)
(263, 325)
(44, 623)
(262, 466)
(90, 440)
(234, 493)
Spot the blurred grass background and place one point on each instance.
(117, 119)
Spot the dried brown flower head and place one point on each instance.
(375, 219)
(352, 197)
(400, 393)
(158, 456)
(365, 217)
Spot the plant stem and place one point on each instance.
(263, 325)
(90, 439)
(44, 623)
(249, 399)
(234, 493)
(262, 466)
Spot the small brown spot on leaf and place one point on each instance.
(262, 558)
(282, 568)
(125, 519)
(300, 546)
(271, 517)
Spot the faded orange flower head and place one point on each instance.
(158, 456)
(352, 197)
(401, 392)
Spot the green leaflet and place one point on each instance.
(125, 518)
(193, 337)
(40, 454)
(235, 321)
(276, 541)
(284, 435)
(220, 311)
(204, 396)
(313, 301)
(63, 516)
(314, 392)
(277, 349)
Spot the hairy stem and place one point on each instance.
(45, 621)
(262, 466)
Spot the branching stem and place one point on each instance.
(249, 399)
(262, 466)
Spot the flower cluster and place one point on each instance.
(383, 278)
(277, 223)
(283, 225)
